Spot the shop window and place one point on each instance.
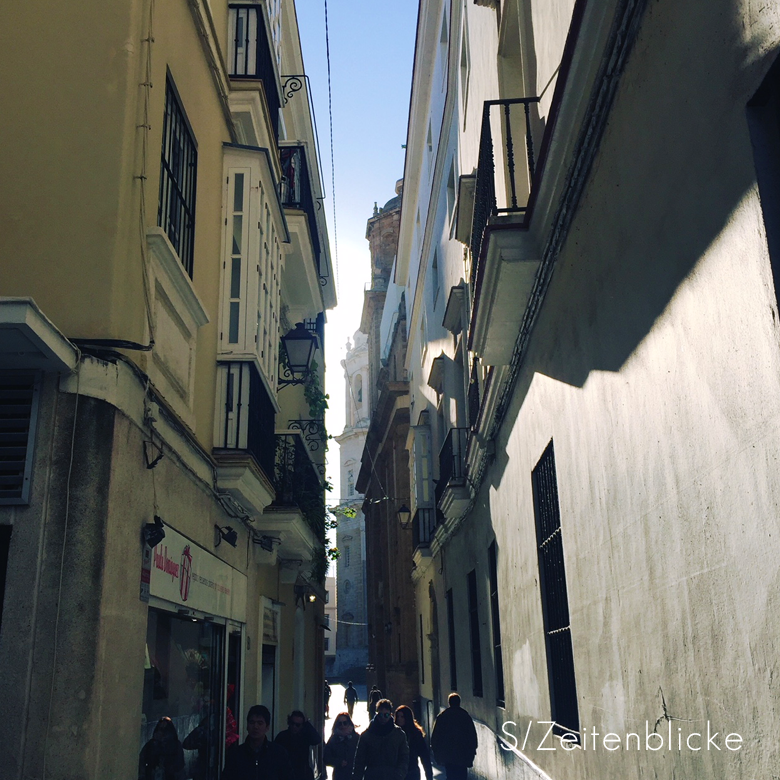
(183, 680)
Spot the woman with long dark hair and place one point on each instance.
(162, 756)
(418, 748)
(340, 748)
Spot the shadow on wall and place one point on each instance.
(674, 163)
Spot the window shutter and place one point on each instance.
(18, 411)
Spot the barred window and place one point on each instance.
(555, 599)
(476, 650)
(495, 614)
(451, 641)
(178, 173)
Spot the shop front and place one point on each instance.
(194, 640)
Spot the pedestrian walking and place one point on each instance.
(373, 697)
(418, 748)
(340, 748)
(296, 739)
(162, 756)
(327, 700)
(382, 751)
(454, 739)
(350, 697)
(257, 758)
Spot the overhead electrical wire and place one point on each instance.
(332, 159)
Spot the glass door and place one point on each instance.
(183, 680)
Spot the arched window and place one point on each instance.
(358, 391)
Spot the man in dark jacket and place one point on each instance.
(382, 751)
(296, 739)
(257, 758)
(454, 739)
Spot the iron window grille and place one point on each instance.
(295, 192)
(495, 615)
(178, 174)
(452, 461)
(18, 416)
(476, 650)
(555, 600)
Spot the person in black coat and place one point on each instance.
(454, 739)
(296, 739)
(257, 758)
(162, 753)
(418, 748)
(340, 748)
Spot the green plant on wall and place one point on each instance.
(312, 392)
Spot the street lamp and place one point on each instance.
(404, 516)
(299, 345)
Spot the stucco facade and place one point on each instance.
(599, 382)
(168, 244)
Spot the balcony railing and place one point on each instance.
(423, 527)
(452, 461)
(297, 482)
(250, 55)
(248, 416)
(502, 190)
(295, 191)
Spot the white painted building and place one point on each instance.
(352, 642)
(588, 247)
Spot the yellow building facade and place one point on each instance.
(161, 469)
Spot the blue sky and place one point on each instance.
(371, 52)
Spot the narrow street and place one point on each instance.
(359, 718)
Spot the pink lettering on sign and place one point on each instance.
(164, 563)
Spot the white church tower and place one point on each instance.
(352, 636)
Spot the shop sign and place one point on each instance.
(184, 573)
(146, 573)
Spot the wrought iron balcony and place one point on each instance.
(297, 482)
(248, 414)
(505, 255)
(423, 527)
(250, 55)
(452, 492)
(452, 460)
(504, 189)
(295, 191)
